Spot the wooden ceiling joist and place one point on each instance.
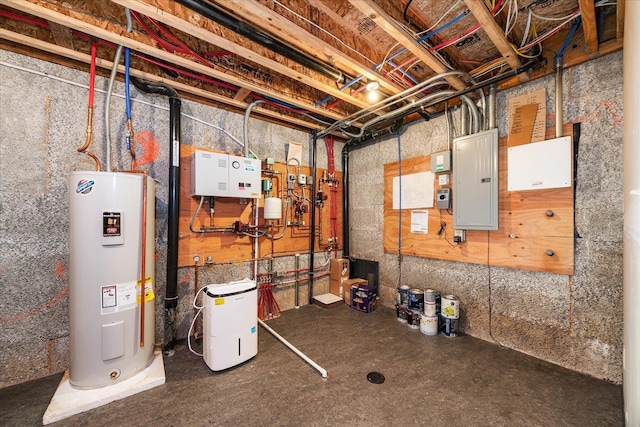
(113, 33)
(494, 32)
(181, 87)
(265, 18)
(588, 13)
(179, 19)
(391, 27)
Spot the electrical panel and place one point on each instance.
(223, 175)
(475, 176)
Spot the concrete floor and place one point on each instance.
(430, 381)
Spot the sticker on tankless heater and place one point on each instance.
(85, 186)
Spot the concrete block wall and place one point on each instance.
(42, 121)
(573, 321)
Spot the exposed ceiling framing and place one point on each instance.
(310, 60)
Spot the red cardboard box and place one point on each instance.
(363, 298)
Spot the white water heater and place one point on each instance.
(105, 255)
(230, 324)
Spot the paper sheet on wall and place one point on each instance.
(539, 124)
(417, 191)
(420, 222)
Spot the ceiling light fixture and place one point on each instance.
(372, 85)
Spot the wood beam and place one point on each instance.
(589, 27)
(265, 18)
(114, 33)
(54, 49)
(242, 94)
(495, 33)
(391, 27)
(620, 20)
(181, 18)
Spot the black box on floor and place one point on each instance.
(363, 298)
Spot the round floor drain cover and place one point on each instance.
(375, 377)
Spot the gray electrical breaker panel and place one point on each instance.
(475, 174)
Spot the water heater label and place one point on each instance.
(84, 186)
(112, 228)
(148, 290)
(118, 297)
(219, 301)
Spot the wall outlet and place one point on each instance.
(443, 179)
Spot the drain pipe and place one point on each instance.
(254, 34)
(312, 208)
(319, 368)
(345, 199)
(256, 246)
(171, 292)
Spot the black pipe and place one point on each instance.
(312, 208)
(252, 33)
(345, 201)
(171, 291)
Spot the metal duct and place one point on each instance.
(252, 33)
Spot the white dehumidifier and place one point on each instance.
(230, 324)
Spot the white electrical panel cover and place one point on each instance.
(222, 175)
(538, 165)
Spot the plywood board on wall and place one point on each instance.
(536, 227)
(233, 247)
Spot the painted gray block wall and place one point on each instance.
(573, 321)
(42, 122)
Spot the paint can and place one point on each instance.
(432, 296)
(450, 307)
(401, 312)
(413, 319)
(416, 300)
(430, 308)
(448, 327)
(403, 295)
(429, 325)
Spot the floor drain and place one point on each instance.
(375, 377)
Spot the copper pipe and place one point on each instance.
(143, 254)
(87, 142)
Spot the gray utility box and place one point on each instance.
(475, 174)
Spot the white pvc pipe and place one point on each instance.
(319, 368)
(631, 189)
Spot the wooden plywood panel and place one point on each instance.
(232, 247)
(536, 228)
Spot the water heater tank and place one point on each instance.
(272, 208)
(105, 249)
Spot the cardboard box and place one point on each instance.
(339, 271)
(346, 287)
(339, 268)
(363, 298)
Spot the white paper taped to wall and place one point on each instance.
(417, 191)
